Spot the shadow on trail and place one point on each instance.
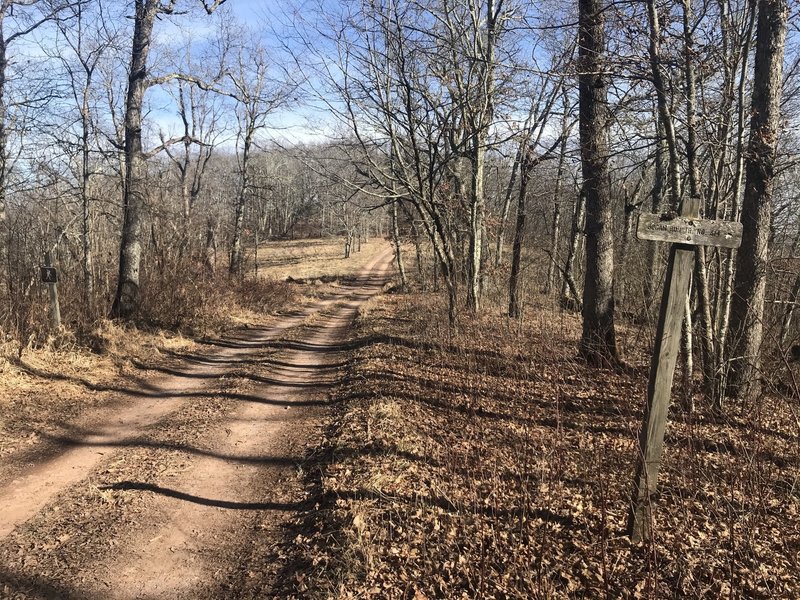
(126, 486)
(32, 585)
(249, 376)
(211, 361)
(363, 342)
(152, 391)
(75, 437)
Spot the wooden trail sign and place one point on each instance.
(689, 230)
(685, 231)
(49, 275)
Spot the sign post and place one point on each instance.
(49, 275)
(685, 232)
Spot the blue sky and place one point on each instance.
(289, 125)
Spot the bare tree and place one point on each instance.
(202, 127)
(29, 16)
(598, 341)
(126, 299)
(258, 92)
(749, 294)
(89, 36)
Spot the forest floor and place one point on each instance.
(167, 467)
(492, 463)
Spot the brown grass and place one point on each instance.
(492, 464)
(315, 258)
(32, 401)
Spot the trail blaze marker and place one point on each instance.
(684, 231)
(48, 274)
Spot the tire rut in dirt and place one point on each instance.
(195, 506)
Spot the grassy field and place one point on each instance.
(315, 258)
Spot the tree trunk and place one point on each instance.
(570, 299)
(554, 235)
(235, 266)
(788, 314)
(477, 208)
(551, 267)
(211, 247)
(733, 214)
(4, 241)
(627, 231)
(656, 203)
(598, 342)
(747, 306)
(514, 306)
(86, 221)
(709, 359)
(481, 121)
(126, 299)
(687, 352)
(501, 231)
(398, 255)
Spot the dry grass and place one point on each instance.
(492, 464)
(51, 383)
(315, 258)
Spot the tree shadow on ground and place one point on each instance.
(216, 503)
(149, 390)
(32, 585)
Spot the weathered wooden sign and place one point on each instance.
(48, 274)
(689, 230)
(684, 232)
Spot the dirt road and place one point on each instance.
(182, 488)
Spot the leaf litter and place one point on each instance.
(491, 463)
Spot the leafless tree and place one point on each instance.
(598, 342)
(258, 91)
(749, 292)
(146, 12)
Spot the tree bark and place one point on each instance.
(481, 120)
(211, 246)
(551, 267)
(732, 213)
(788, 314)
(700, 271)
(570, 299)
(401, 269)
(514, 306)
(126, 299)
(501, 231)
(4, 278)
(598, 342)
(747, 306)
(235, 266)
(656, 203)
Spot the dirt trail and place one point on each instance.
(196, 478)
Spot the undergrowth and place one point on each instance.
(188, 301)
(490, 463)
(197, 302)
